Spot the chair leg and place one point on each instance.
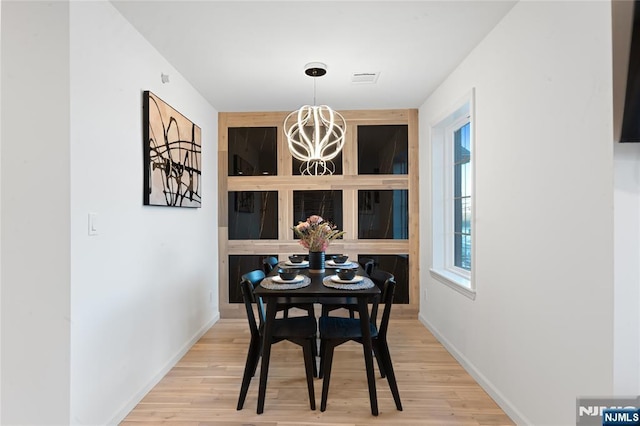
(376, 352)
(253, 355)
(322, 351)
(314, 351)
(327, 358)
(309, 361)
(391, 377)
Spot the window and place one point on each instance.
(462, 196)
(452, 202)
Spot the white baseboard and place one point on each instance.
(137, 397)
(504, 403)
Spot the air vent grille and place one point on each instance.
(365, 77)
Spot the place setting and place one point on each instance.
(346, 279)
(296, 260)
(342, 262)
(287, 279)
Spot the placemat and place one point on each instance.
(271, 285)
(365, 283)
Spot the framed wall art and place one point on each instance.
(172, 156)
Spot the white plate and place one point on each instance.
(277, 279)
(355, 279)
(346, 265)
(301, 264)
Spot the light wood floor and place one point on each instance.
(202, 389)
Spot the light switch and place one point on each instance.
(93, 223)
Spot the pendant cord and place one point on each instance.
(314, 91)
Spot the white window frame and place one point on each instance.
(442, 267)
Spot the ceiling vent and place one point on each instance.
(365, 77)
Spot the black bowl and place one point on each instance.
(296, 258)
(339, 259)
(346, 274)
(288, 274)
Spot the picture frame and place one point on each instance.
(172, 156)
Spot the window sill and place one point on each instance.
(460, 284)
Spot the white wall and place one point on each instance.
(627, 269)
(145, 288)
(35, 216)
(539, 333)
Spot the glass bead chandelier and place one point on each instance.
(315, 134)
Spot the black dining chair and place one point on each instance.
(335, 331)
(378, 276)
(367, 264)
(298, 330)
(256, 276)
(268, 263)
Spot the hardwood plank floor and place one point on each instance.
(202, 389)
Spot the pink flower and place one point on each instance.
(315, 234)
(314, 219)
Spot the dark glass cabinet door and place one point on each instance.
(383, 214)
(253, 215)
(383, 149)
(327, 204)
(252, 151)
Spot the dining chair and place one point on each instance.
(378, 276)
(257, 275)
(268, 263)
(335, 331)
(298, 330)
(254, 277)
(367, 264)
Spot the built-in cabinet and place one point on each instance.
(373, 196)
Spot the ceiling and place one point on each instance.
(250, 56)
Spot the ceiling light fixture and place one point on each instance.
(315, 134)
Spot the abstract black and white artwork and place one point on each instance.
(172, 156)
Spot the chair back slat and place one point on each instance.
(246, 288)
(268, 263)
(253, 278)
(380, 278)
(388, 292)
(367, 264)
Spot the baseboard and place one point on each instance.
(504, 403)
(137, 397)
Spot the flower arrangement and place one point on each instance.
(316, 233)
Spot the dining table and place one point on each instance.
(317, 287)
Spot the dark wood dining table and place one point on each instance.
(317, 292)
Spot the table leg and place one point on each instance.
(363, 310)
(266, 351)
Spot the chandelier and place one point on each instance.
(315, 134)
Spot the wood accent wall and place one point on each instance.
(349, 182)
